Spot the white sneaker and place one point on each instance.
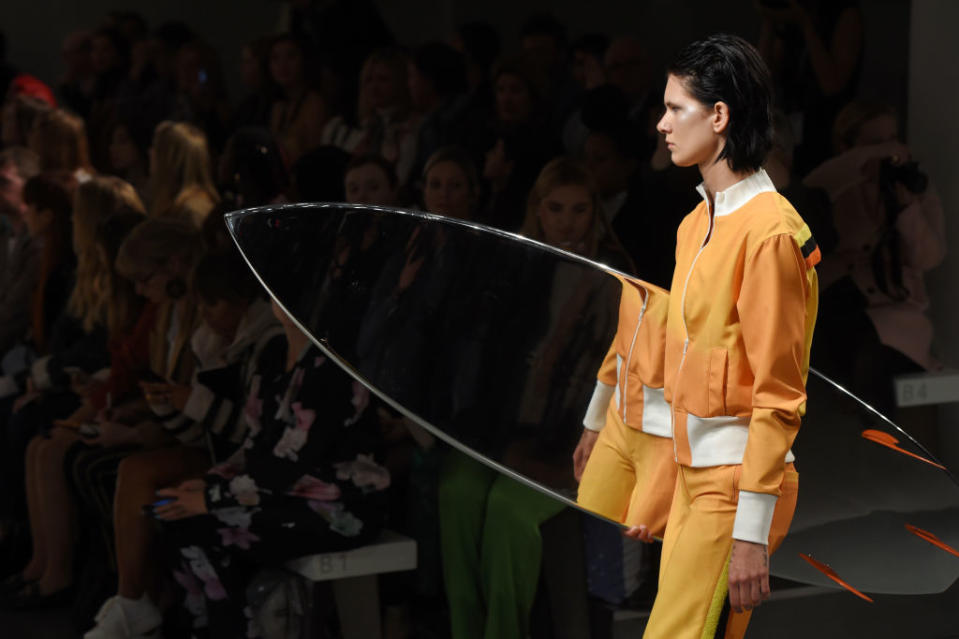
(122, 618)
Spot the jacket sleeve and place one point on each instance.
(772, 306)
(606, 380)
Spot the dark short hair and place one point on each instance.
(376, 160)
(726, 68)
(51, 191)
(443, 66)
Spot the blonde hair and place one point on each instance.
(94, 201)
(60, 139)
(181, 179)
(559, 172)
(396, 60)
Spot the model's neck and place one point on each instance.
(718, 176)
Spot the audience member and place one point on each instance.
(60, 140)
(18, 253)
(239, 338)
(890, 226)
(254, 107)
(297, 118)
(19, 114)
(308, 461)
(451, 184)
(814, 49)
(437, 86)
(181, 176)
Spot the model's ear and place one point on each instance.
(720, 117)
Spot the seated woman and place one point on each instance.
(108, 307)
(239, 336)
(304, 482)
(157, 343)
(181, 173)
(489, 523)
(387, 125)
(298, 115)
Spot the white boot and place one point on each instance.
(122, 618)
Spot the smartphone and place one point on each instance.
(150, 509)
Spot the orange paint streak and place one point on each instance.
(932, 539)
(887, 440)
(829, 572)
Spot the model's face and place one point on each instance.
(566, 214)
(513, 101)
(367, 184)
(688, 125)
(878, 131)
(286, 64)
(447, 191)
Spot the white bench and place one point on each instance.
(354, 576)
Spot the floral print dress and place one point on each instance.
(304, 482)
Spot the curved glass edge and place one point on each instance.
(888, 422)
(234, 217)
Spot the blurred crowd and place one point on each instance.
(138, 353)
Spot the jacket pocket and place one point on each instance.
(716, 375)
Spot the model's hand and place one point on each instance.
(583, 450)
(640, 533)
(748, 575)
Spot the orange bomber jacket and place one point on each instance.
(632, 373)
(741, 316)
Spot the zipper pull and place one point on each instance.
(685, 346)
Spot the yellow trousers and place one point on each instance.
(693, 577)
(630, 476)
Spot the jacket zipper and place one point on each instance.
(629, 354)
(682, 304)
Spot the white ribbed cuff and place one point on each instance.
(754, 517)
(39, 374)
(596, 411)
(198, 405)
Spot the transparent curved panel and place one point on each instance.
(492, 342)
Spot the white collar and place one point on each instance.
(733, 198)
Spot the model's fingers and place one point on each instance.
(734, 599)
(755, 591)
(764, 588)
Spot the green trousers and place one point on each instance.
(492, 548)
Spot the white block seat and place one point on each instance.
(354, 576)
